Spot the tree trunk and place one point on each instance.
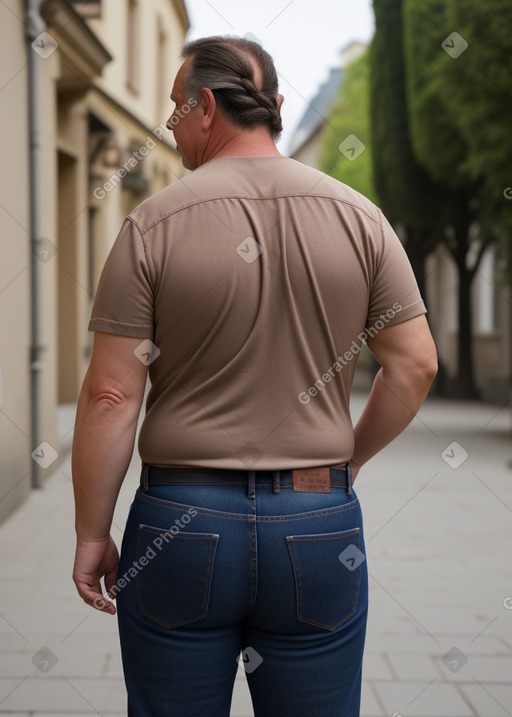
(465, 381)
(463, 385)
(414, 246)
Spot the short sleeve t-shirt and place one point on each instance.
(257, 279)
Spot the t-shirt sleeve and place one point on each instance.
(124, 299)
(394, 296)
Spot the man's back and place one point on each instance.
(255, 277)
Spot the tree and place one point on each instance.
(481, 88)
(439, 139)
(432, 50)
(405, 191)
(349, 116)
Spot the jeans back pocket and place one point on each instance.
(174, 576)
(327, 571)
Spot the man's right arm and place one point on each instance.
(408, 359)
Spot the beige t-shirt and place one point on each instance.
(257, 278)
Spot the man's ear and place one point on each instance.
(208, 107)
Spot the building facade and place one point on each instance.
(85, 90)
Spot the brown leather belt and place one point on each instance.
(305, 480)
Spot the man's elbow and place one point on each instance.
(414, 374)
(424, 370)
(430, 368)
(106, 397)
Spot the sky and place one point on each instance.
(303, 36)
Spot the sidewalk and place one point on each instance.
(438, 522)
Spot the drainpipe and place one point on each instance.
(34, 26)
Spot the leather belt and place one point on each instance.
(306, 480)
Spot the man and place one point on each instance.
(248, 287)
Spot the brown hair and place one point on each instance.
(223, 64)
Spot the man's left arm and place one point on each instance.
(105, 427)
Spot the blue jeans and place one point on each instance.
(211, 571)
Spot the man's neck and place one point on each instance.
(255, 143)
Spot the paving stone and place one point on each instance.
(395, 644)
(486, 644)
(241, 705)
(49, 694)
(24, 694)
(421, 699)
(413, 667)
(369, 704)
(486, 669)
(489, 700)
(376, 667)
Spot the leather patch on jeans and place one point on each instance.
(312, 480)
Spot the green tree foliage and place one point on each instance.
(349, 115)
(406, 192)
(479, 91)
(434, 50)
(439, 140)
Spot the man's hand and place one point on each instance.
(95, 559)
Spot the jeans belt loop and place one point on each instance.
(276, 481)
(144, 477)
(349, 480)
(251, 485)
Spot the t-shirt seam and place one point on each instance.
(403, 309)
(383, 239)
(409, 306)
(95, 319)
(147, 255)
(252, 198)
